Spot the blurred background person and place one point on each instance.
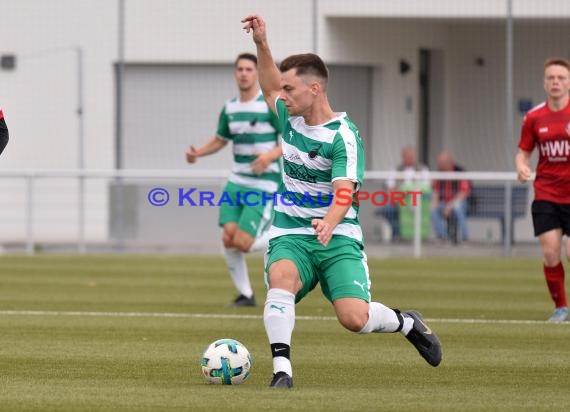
(409, 165)
(253, 129)
(547, 127)
(449, 201)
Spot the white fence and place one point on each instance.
(91, 210)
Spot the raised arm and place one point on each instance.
(269, 75)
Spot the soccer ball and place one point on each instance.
(226, 362)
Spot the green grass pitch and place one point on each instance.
(125, 333)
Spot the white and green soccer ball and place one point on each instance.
(226, 362)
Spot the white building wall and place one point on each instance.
(40, 95)
(444, 8)
(382, 43)
(39, 99)
(476, 97)
(475, 121)
(211, 32)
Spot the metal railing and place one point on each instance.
(31, 176)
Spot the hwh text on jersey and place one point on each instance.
(555, 150)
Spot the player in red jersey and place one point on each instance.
(3, 132)
(547, 127)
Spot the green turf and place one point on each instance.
(79, 360)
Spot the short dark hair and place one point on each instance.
(246, 56)
(557, 61)
(307, 63)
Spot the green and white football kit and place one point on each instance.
(313, 158)
(252, 128)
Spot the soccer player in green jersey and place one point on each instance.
(315, 239)
(253, 129)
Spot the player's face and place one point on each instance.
(296, 93)
(409, 157)
(246, 74)
(556, 81)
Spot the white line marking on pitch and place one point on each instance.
(241, 316)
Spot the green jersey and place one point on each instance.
(253, 129)
(313, 158)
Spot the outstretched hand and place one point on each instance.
(191, 154)
(255, 23)
(261, 163)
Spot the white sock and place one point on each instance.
(408, 325)
(235, 260)
(281, 364)
(384, 319)
(261, 242)
(279, 320)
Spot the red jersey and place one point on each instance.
(445, 190)
(1, 114)
(549, 132)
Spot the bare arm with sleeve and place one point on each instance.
(269, 75)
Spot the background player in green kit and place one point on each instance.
(247, 122)
(312, 242)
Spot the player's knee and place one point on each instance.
(551, 258)
(227, 241)
(242, 242)
(242, 248)
(551, 261)
(354, 321)
(228, 235)
(284, 280)
(279, 277)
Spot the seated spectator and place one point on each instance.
(449, 201)
(409, 166)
